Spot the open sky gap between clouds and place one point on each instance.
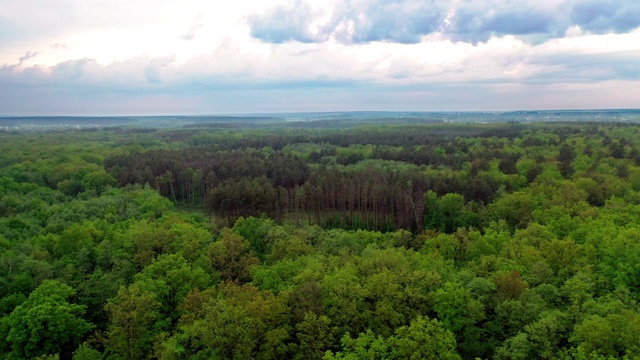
(88, 57)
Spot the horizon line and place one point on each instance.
(262, 114)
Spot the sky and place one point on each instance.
(160, 57)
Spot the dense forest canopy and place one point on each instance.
(375, 240)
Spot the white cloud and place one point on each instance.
(137, 49)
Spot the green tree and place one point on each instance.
(189, 241)
(365, 347)
(314, 336)
(255, 231)
(232, 257)
(171, 278)
(133, 316)
(344, 300)
(46, 323)
(614, 335)
(456, 307)
(270, 314)
(384, 292)
(98, 181)
(86, 352)
(541, 339)
(515, 209)
(211, 329)
(424, 339)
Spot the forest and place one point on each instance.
(380, 240)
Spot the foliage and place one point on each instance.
(388, 241)
(46, 323)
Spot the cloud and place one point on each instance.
(153, 69)
(191, 33)
(292, 66)
(479, 21)
(351, 21)
(59, 46)
(408, 21)
(286, 23)
(602, 17)
(72, 70)
(395, 21)
(27, 56)
(324, 55)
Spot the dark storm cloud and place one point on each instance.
(406, 21)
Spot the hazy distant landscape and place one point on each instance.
(323, 119)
